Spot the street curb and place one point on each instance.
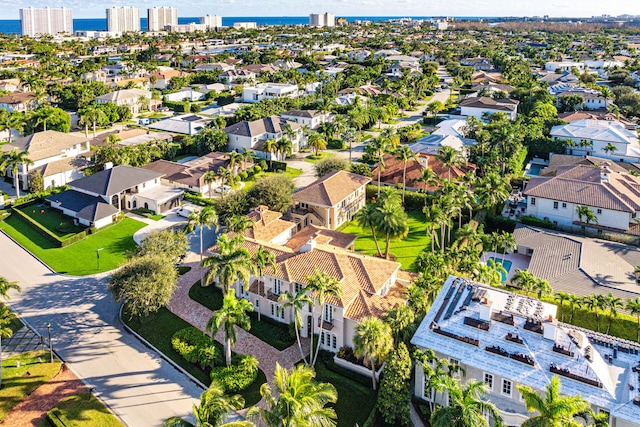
(29, 252)
(165, 357)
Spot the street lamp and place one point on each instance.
(98, 256)
(50, 346)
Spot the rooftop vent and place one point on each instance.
(309, 246)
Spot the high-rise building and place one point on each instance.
(161, 16)
(212, 21)
(123, 19)
(322, 20)
(48, 20)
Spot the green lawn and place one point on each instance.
(78, 259)
(405, 250)
(291, 172)
(274, 333)
(82, 410)
(312, 158)
(53, 220)
(355, 401)
(159, 328)
(19, 382)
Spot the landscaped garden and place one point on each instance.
(274, 333)
(18, 382)
(405, 250)
(52, 219)
(315, 159)
(81, 410)
(159, 330)
(111, 244)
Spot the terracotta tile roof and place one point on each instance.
(584, 185)
(374, 305)
(322, 235)
(267, 225)
(393, 169)
(62, 165)
(490, 103)
(331, 189)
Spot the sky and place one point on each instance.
(195, 8)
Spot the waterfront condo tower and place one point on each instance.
(48, 20)
(123, 19)
(161, 16)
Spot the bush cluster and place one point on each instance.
(196, 347)
(240, 375)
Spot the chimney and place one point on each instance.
(485, 310)
(605, 172)
(309, 246)
(108, 165)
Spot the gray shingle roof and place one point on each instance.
(85, 206)
(272, 124)
(115, 180)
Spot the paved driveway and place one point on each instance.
(132, 380)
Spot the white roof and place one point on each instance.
(431, 144)
(598, 130)
(187, 124)
(455, 303)
(450, 127)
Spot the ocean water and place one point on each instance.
(12, 26)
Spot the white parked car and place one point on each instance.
(185, 211)
(223, 189)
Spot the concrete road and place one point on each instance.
(131, 379)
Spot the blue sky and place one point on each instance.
(189, 8)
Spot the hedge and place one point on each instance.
(327, 358)
(278, 166)
(46, 233)
(241, 374)
(198, 200)
(32, 197)
(195, 347)
(413, 201)
(498, 222)
(537, 222)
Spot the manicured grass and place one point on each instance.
(52, 219)
(321, 155)
(159, 328)
(78, 259)
(19, 382)
(147, 214)
(405, 250)
(183, 269)
(274, 333)
(355, 401)
(83, 410)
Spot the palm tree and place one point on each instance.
(466, 408)
(373, 342)
(209, 178)
(92, 114)
(234, 159)
(588, 215)
(380, 147)
(594, 302)
(322, 285)
(430, 178)
(553, 409)
(633, 306)
(205, 218)
(317, 142)
(368, 217)
(574, 302)
(610, 148)
(296, 302)
(561, 297)
(6, 286)
(12, 160)
(239, 224)
(214, 406)
(432, 214)
(12, 121)
(285, 147)
(401, 320)
(233, 312)
(450, 157)
(434, 108)
(230, 264)
(542, 287)
(524, 279)
(404, 155)
(613, 304)
(262, 259)
(350, 135)
(299, 400)
(270, 146)
(392, 222)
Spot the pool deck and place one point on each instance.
(517, 261)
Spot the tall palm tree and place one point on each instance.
(271, 147)
(588, 215)
(214, 407)
(239, 224)
(574, 302)
(542, 287)
(6, 286)
(299, 400)
(296, 301)
(205, 218)
(561, 297)
(613, 304)
(594, 303)
(317, 142)
(633, 306)
(392, 222)
(262, 259)
(373, 342)
(12, 121)
(432, 214)
(235, 159)
(350, 135)
(466, 408)
(380, 147)
(12, 160)
(209, 178)
(553, 409)
(401, 320)
(450, 157)
(285, 148)
(231, 263)
(404, 155)
(322, 285)
(233, 312)
(368, 217)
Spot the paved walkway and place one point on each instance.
(23, 340)
(198, 315)
(33, 408)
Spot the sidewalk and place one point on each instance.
(198, 315)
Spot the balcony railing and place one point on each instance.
(272, 295)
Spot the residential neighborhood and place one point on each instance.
(322, 220)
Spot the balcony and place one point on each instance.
(327, 326)
(272, 296)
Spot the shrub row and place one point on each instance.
(536, 222)
(241, 374)
(35, 197)
(498, 222)
(199, 200)
(326, 357)
(46, 233)
(196, 347)
(413, 200)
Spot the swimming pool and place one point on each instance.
(506, 264)
(535, 169)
